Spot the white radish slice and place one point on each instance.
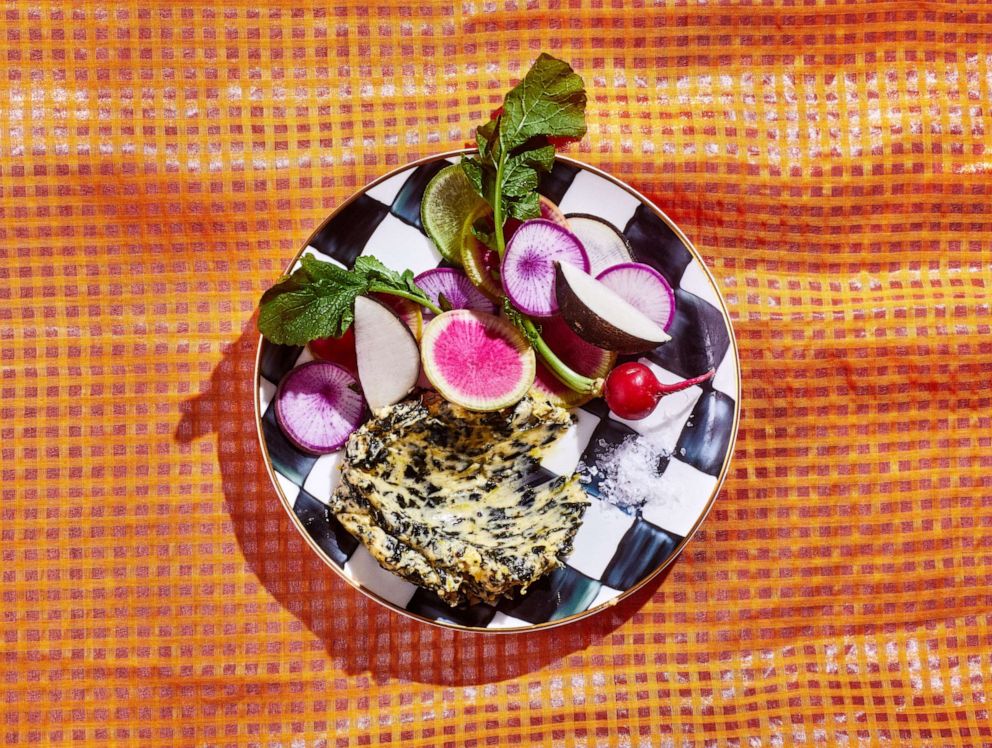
(598, 315)
(456, 288)
(477, 360)
(603, 242)
(528, 268)
(387, 354)
(644, 288)
(317, 406)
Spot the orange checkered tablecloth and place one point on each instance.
(160, 163)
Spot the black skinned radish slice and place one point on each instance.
(477, 360)
(603, 242)
(457, 289)
(387, 354)
(644, 288)
(598, 315)
(528, 267)
(581, 357)
(318, 405)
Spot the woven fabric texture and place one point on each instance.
(161, 162)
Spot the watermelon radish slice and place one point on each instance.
(340, 350)
(405, 309)
(456, 288)
(477, 360)
(318, 405)
(528, 268)
(582, 357)
(644, 288)
(602, 241)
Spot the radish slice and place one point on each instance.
(406, 310)
(602, 241)
(582, 357)
(387, 353)
(318, 405)
(477, 360)
(598, 315)
(456, 288)
(644, 288)
(528, 269)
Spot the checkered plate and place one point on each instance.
(615, 551)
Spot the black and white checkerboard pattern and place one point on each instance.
(614, 550)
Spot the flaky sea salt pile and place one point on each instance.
(629, 473)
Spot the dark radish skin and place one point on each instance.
(632, 390)
(598, 315)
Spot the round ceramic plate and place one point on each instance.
(679, 454)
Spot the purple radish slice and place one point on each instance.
(317, 406)
(598, 315)
(528, 269)
(602, 241)
(644, 288)
(477, 360)
(456, 288)
(387, 353)
(582, 357)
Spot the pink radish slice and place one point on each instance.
(477, 360)
(528, 269)
(644, 288)
(318, 405)
(456, 288)
(582, 357)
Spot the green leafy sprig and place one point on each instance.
(514, 147)
(318, 299)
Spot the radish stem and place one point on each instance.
(409, 296)
(498, 206)
(562, 371)
(668, 389)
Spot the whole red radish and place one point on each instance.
(632, 390)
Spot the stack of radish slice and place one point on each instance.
(592, 299)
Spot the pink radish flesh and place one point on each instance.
(318, 405)
(644, 288)
(528, 269)
(456, 288)
(477, 360)
(580, 356)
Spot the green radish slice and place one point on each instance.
(481, 263)
(477, 360)
(582, 357)
(318, 405)
(448, 198)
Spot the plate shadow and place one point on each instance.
(362, 638)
